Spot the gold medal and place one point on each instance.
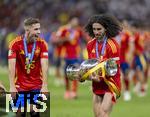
(28, 71)
(28, 68)
(27, 61)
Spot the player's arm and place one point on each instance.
(12, 65)
(62, 36)
(12, 69)
(44, 65)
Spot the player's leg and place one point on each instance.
(107, 104)
(140, 76)
(32, 111)
(58, 81)
(67, 83)
(73, 92)
(147, 72)
(34, 114)
(58, 64)
(126, 81)
(102, 105)
(74, 84)
(19, 113)
(97, 101)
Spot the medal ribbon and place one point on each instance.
(28, 58)
(103, 48)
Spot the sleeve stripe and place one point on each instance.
(116, 58)
(112, 45)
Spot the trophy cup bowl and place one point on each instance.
(111, 67)
(76, 72)
(72, 72)
(88, 64)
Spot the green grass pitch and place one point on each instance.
(82, 107)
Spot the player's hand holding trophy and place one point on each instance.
(92, 69)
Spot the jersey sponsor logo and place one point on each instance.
(21, 52)
(93, 51)
(37, 51)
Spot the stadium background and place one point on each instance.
(54, 13)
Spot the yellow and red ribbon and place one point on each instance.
(110, 82)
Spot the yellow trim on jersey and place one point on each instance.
(91, 40)
(42, 40)
(14, 41)
(112, 45)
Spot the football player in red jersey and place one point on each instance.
(69, 38)
(28, 61)
(126, 58)
(139, 63)
(102, 28)
(147, 56)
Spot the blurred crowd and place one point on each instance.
(54, 13)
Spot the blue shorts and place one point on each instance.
(24, 97)
(125, 67)
(137, 62)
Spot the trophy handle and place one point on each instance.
(88, 73)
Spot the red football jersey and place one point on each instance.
(111, 51)
(125, 36)
(59, 51)
(139, 43)
(72, 46)
(33, 80)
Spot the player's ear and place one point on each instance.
(27, 31)
(26, 28)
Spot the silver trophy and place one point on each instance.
(109, 66)
(72, 72)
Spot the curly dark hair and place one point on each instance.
(109, 22)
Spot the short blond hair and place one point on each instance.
(30, 21)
